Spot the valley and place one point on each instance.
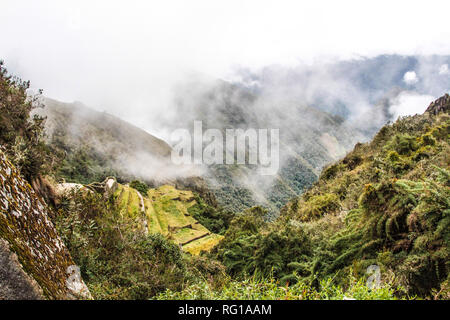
(86, 192)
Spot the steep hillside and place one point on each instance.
(35, 263)
(96, 144)
(108, 134)
(386, 204)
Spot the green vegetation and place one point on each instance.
(215, 219)
(385, 203)
(21, 134)
(293, 178)
(231, 196)
(83, 166)
(126, 253)
(118, 260)
(270, 289)
(249, 248)
(318, 205)
(140, 186)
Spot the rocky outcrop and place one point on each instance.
(15, 283)
(110, 186)
(65, 188)
(440, 105)
(107, 187)
(35, 263)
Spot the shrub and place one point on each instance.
(117, 261)
(428, 140)
(318, 205)
(404, 144)
(140, 186)
(216, 220)
(83, 166)
(21, 133)
(330, 171)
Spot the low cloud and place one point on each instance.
(409, 103)
(443, 70)
(410, 77)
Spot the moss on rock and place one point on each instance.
(26, 226)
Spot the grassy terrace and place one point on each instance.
(166, 212)
(203, 244)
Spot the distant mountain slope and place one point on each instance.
(309, 139)
(94, 145)
(108, 134)
(114, 143)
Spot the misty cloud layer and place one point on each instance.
(365, 93)
(326, 73)
(126, 57)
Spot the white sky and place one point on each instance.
(124, 55)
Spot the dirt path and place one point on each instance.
(144, 215)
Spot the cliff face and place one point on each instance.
(34, 261)
(15, 283)
(440, 105)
